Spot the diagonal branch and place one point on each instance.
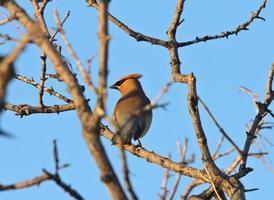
(74, 56)
(152, 157)
(219, 126)
(46, 176)
(51, 91)
(28, 183)
(226, 34)
(138, 36)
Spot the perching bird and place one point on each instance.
(130, 119)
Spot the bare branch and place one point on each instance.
(190, 187)
(40, 16)
(226, 34)
(42, 80)
(74, 56)
(164, 90)
(60, 25)
(182, 153)
(51, 91)
(20, 185)
(152, 157)
(25, 110)
(46, 176)
(127, 181)
(219, 126)
(129, 31)
(262, 112)
(164, 189)
(66, 187)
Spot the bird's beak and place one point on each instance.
(113, 87)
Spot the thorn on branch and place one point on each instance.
(261, 18)
(251, 190)
(180, 22)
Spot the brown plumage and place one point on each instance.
(128, 119)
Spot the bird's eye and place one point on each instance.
(118, 83)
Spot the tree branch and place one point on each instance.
(262, 112)
(25, 109)
(226, 34)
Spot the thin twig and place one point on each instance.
(212, 184)
(164, 190)
(219, 155)
(219, 126)
(164, 90)
(55, 156)
(190, 187)
(28, 183)
(46, 176)
(182, 153)
(72, 53)
(51, 91)
(59, 26)
(219, 145)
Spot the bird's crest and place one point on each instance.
(122, 79)
(135, 76)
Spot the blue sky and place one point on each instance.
(221, 66)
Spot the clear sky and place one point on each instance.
(221, 66)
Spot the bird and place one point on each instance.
(130, 118)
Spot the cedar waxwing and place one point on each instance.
(128, 119)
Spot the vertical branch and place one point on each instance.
(164, 189)
(42, 79)
(194, 112)
(182, 153)
(172, 45)
(127, 181)
(39, 13)
(232, 186)
(91, 135)
(103, 56)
